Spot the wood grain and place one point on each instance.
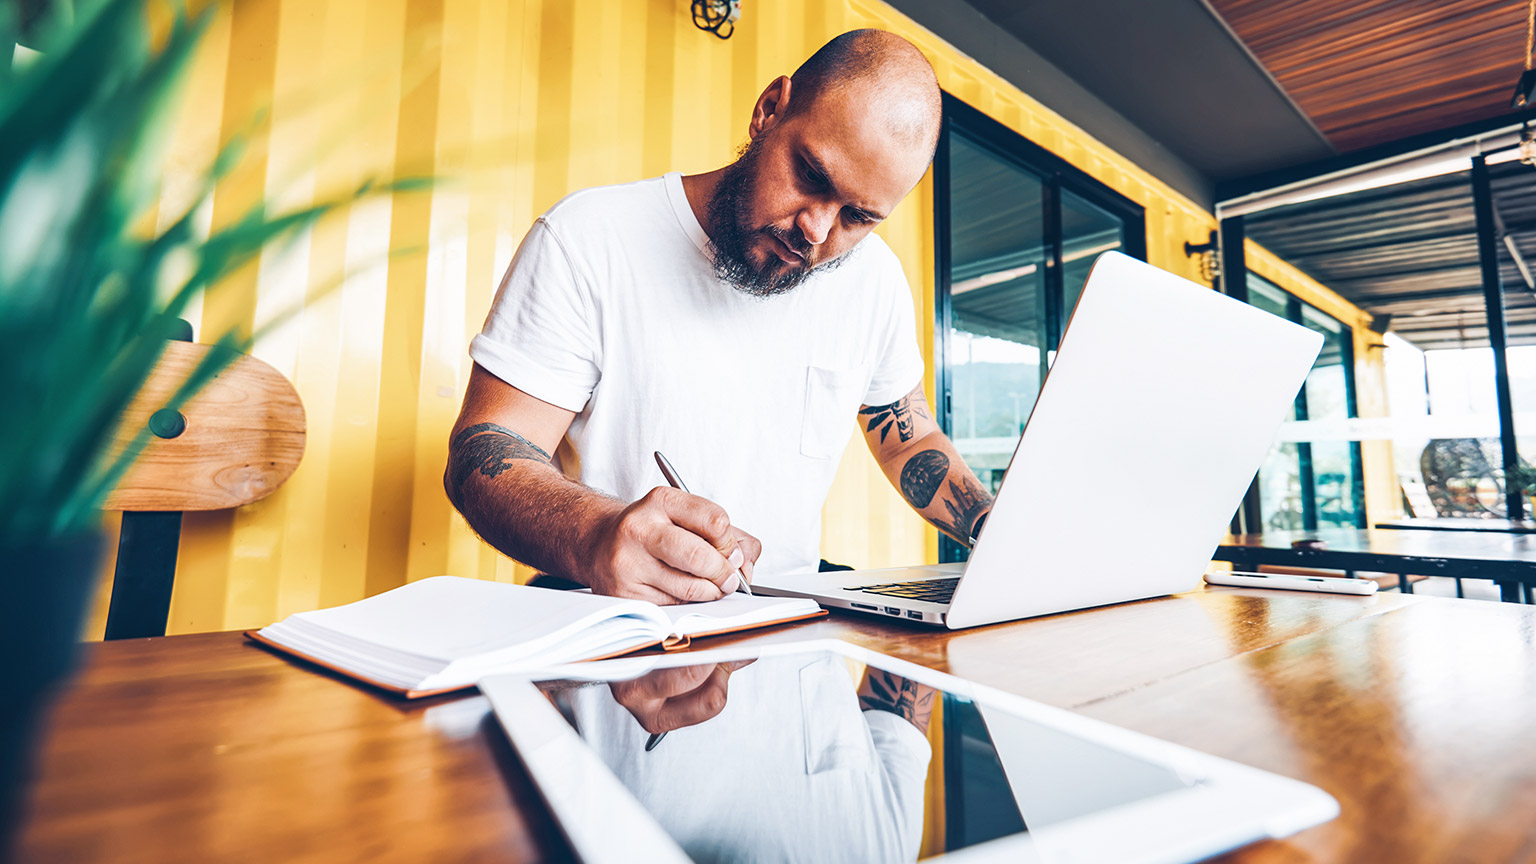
(244, 437)
(1414, 712)
(1372, 71)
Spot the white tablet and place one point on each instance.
(823, 751)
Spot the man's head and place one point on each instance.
(833, 149)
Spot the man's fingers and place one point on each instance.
(687, 552)
(751, 549)
(666, 683)
(699, 515)
(707, 700)
(683, 587)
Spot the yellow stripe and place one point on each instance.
(400, 360)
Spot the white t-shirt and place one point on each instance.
(611, 309)
(790, 769)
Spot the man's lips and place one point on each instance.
(786, 254)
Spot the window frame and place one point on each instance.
(1056, 175)
(1295, 309)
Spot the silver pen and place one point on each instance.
(676, 482)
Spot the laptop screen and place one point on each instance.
(817, 757)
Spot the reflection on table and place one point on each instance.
(779, 760)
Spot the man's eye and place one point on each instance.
(857, 218)
(813, 178)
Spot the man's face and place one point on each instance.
(807, 190)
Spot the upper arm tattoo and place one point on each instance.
(489, 449)
(898, 414)
(885, 691)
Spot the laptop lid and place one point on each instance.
(1161, 403)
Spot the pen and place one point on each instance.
(676, 482)
(651, 742)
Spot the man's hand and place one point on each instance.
(671, 547)
(668, 699)
(668, 547)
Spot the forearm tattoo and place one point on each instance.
(965, 505)
(489, 449)
(898, 414)
(923, 478)
(884, 691)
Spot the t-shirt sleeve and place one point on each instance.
(539, 336)
(899, 362)
(904, 753)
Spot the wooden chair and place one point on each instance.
(233, 443)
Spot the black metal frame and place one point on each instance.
(1233, 282)
(1056, 175)
(1493, 299)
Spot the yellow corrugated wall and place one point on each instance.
(522, 101)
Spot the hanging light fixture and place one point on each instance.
(1525, 91)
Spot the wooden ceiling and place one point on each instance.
(1372, 71)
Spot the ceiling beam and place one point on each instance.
(1226, 190)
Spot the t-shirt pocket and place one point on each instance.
(836, 738)
(831, 402)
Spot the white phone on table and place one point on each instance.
(1291, 582)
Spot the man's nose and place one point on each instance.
(816, 222)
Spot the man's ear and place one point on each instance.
(770, 107)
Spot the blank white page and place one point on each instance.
(446, 618)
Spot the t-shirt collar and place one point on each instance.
(684, 213)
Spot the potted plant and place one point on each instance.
(88, 298)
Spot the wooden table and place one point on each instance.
(1497, 526)
(1417, 713)
(1508, 559)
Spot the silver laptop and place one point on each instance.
(1163, 399)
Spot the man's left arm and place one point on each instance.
(922, 463)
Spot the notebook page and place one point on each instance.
(446, 618)
(735, 610)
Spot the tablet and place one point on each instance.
(824, 751)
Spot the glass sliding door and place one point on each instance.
(1017, 231)
(1086, 231)
(1305, 485)
(996, 351)
(1329, 394)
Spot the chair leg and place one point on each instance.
(146, 567)
(1403, 585)
(1459, 591)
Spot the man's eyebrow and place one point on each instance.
(820, 168)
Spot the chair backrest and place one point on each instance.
(233, 443)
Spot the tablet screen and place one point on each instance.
(818, 757)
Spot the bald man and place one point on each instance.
(736, 321)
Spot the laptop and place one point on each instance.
(1163, 399)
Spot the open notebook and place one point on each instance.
(447, 632)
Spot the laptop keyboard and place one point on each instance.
(932, 590)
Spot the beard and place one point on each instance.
(730, 239)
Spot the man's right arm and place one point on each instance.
(668, 547)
